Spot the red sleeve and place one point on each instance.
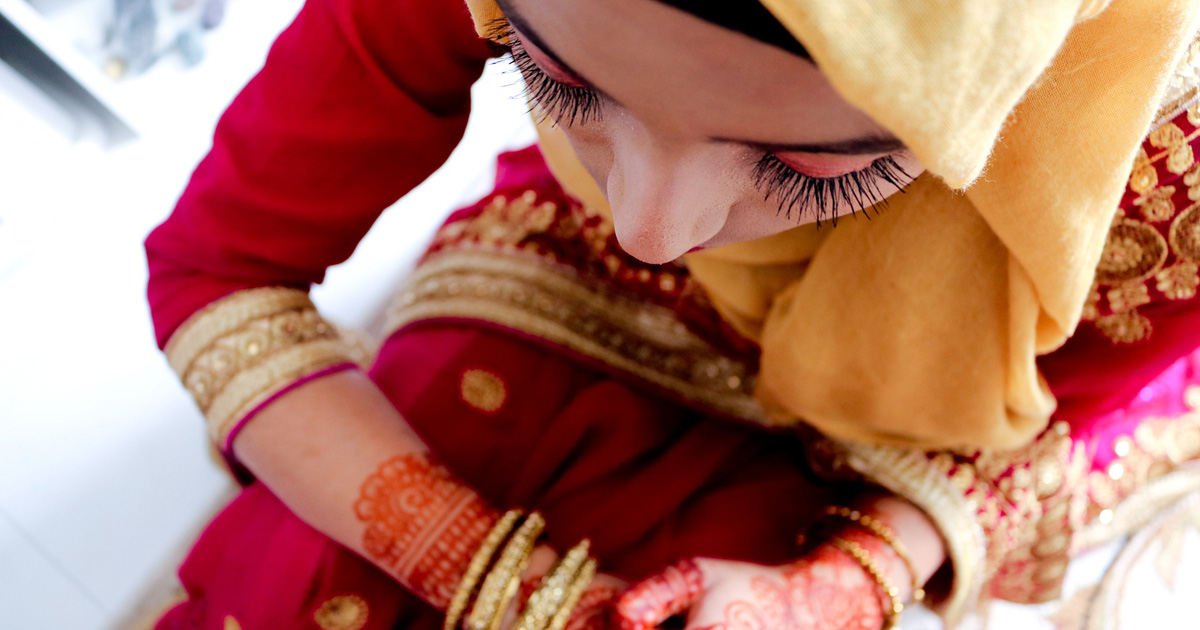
(358, 102)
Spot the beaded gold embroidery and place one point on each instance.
(483, 390)
(239, 351)
(343, 612)
(1156, 448)
(557, 275)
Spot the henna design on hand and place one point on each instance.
(593, 612)
(422, 524)
(827, 590)
(655, 599)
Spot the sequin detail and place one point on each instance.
(342, 612)
(483, 390)
(240, 350)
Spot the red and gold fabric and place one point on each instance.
(244, 350)
(592, 386)
(601, 385)
(1128, 418)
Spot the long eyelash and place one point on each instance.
(825, 196)
(566, 104)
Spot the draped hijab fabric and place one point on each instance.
(922, 325)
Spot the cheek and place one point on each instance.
(592, 145)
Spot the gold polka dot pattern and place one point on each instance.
(483, 390)
(342, 612)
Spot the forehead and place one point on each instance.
(748, 17)
(672, 68)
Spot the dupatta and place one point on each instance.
(921, 327)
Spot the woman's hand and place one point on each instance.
(825, 590)
(595, 607)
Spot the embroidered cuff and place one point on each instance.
(1007, 517)
(240, 351)
(910, 474)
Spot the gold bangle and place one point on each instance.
(479, 564)
(503, 582)
(551, 594)
(582, 581)
(891, 618)
(884, 533)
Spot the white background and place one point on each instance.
(104, 473)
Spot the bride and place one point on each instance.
(800, 313)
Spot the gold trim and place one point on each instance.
(241, 350)
(255, 385)
(552, 303)
(1184, 87)
(1139, 508)
(226, 315)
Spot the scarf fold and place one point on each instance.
(922, 325)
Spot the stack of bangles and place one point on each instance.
(493, 579)
(891, 618)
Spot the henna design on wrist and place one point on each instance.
(422, 524)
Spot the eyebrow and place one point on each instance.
(854, 146)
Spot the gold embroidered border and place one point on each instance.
(255, 385)
(910, 474)
(1158, 448)
(1139, 508)
(226, 315)
(553, 303)
(1184, 87)
(238, 352)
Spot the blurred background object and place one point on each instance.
(105, 478)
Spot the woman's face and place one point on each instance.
(699, 136)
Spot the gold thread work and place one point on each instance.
(238, 352)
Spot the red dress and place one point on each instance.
(606, 407)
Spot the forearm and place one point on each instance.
(337, 453)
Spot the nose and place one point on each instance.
(667, 195)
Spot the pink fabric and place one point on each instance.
(1163, 398)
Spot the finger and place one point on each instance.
(594, 608)
(660, 597)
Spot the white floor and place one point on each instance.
(103, 467)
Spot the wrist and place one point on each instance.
(912, 528)
(422, 525)
(850, 596)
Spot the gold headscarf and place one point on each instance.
(921, 326)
